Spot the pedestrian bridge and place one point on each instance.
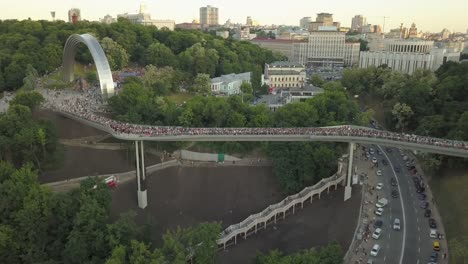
(349, 134)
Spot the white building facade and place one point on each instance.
(285, 74)
(408, 55)
(144, 18)
(229, 84)
(327, 48)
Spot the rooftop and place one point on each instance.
(231, 77)
(290, 64)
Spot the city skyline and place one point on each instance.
(431, 17)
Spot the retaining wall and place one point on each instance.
(198, 156)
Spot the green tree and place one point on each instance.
(159, 55)
(202, 84)
(402, 114)
(317, 80)
(31, 99)
(116, 54)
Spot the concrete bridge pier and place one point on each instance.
(348, 189)
(141, 174)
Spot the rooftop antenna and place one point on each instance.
(52, 13)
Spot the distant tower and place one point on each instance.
(52, 13)
(74, 15)
(142, 9)
(249, 21)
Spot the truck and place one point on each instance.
(382, 202)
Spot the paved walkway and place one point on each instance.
(361, 245)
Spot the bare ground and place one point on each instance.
(187, 196)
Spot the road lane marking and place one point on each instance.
(417, 262)
(419, 229)
(419, 238)
(419, 250)
(401, 203)
(417, 219)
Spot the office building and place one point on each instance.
(324, 20)
(186, 25)
(304, 22)
(408, 55)
(208, 16)
(144, 18)
(357, 22)
(74, 15)
(327, 48)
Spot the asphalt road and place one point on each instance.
(413, 238)
(390, 240)
(418, 243)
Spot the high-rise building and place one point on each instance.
(304, 22)
(445, 34)
(326, 48)
(74, 15)
(323, 20)
(208, 16)
(357, 22)
(249, 22)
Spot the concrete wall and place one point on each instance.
(197, 156)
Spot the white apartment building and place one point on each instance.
(327, 48)
(408, 55)
(229, 84)
(284, 74)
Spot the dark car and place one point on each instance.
(389, 150)
(378, 224)
(412, 167)
(422, 196)
(434, 256)
(384, 162)
(432, 223)
(420, 189)
(397, 169)
(424, 205)
(427, 213)
(379, 152)
(395, 194)
(393, 182)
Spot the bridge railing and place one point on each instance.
(281, 207)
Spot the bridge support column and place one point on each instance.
(348, 189)
(141, 174)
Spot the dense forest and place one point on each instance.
(188, 52)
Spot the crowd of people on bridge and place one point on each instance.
(85, 105)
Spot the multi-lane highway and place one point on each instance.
(412, 243)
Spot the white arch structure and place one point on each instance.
(102, 65)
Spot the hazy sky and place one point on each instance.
(429, 15)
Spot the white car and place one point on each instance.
(379, 211)
(433, 233)
(379, 186)
(396, 224)
(375, 250)
(374, 160)
(377, 233)
(379, 173)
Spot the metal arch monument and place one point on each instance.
(102, 65)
